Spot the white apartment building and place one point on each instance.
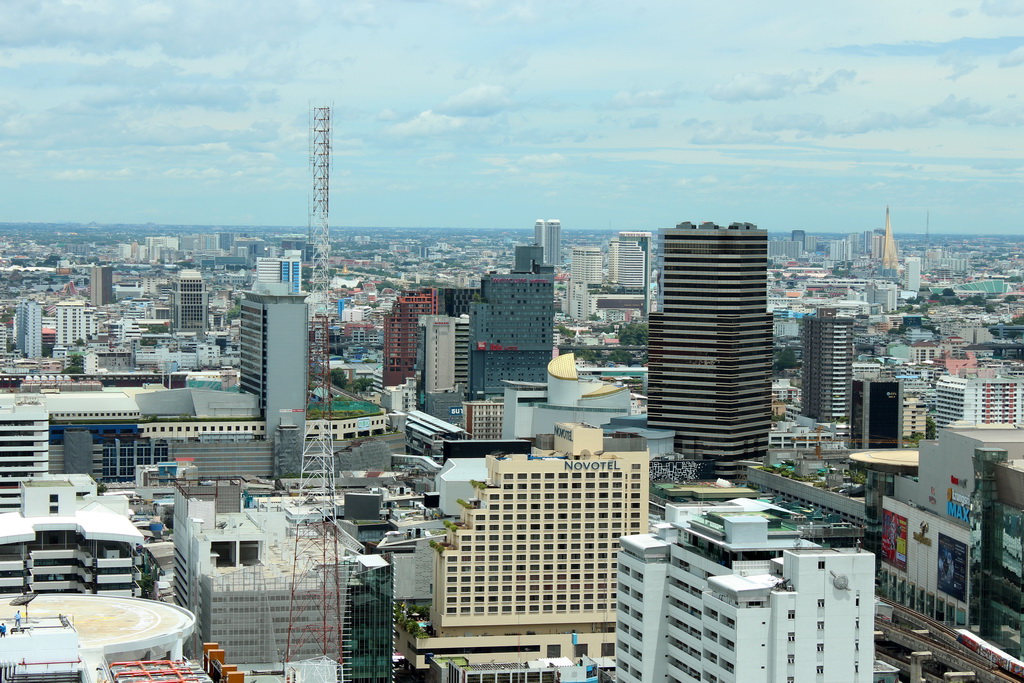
(585, 272)
(54, 544)
(28, 328)
(979, 400)
(732, 593)
(75, 321)
(529, 571)
(24, 449)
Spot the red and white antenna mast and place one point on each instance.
(316, 614)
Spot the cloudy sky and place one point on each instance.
(479, 113)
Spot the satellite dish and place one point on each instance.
(24, 599)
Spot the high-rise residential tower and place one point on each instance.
(629, 264)
(511, 335)
(75, 322)
(585, 274)
(190, 303)
(547, 234)
(827, 365)
(912, 273)
(710, 343)
(28, 328)
(402, 334)
(101, 285)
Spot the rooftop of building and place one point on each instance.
(106, 624)
(896, 457)
(94, 522)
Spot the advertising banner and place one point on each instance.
(952, 567)
(894, 539)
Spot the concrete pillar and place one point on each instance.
(916, 660)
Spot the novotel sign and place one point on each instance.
(592, 465)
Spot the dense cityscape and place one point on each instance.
(295, 388)
(551, 455)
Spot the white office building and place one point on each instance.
(979, 400)
(733, 593)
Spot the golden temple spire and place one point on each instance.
(890, 261)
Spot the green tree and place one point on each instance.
(360, 385)
(929, 428)
(621, 356)
(75, 364)
(785, 359)
(339, 378)
(633, 334)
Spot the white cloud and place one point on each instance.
(643, 99)
(427, 124)
(1015, 58)
(1003, 8)
(746, 87)
(480, 100)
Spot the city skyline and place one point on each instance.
(487, 114)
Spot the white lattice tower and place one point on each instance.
(318, 451)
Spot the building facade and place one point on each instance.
(279, 275)
(75, 322)
(52, 544)
(547, 234)
(274, 347)
(733, 593)
(101, 285)
(24, 453)
(28, 328)
(190, 303)
(710, 343)
(585, 275)
(511, 333)
(979, 400)
(402, 334)
(530, 569)
(827, 365)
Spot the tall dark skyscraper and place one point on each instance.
(827, 365)
(710, 345)
(511, 332)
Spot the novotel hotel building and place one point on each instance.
(530, 570)
(949, 533)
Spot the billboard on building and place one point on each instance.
(952, 567)
(894, 539)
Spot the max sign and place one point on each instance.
(958, 506)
